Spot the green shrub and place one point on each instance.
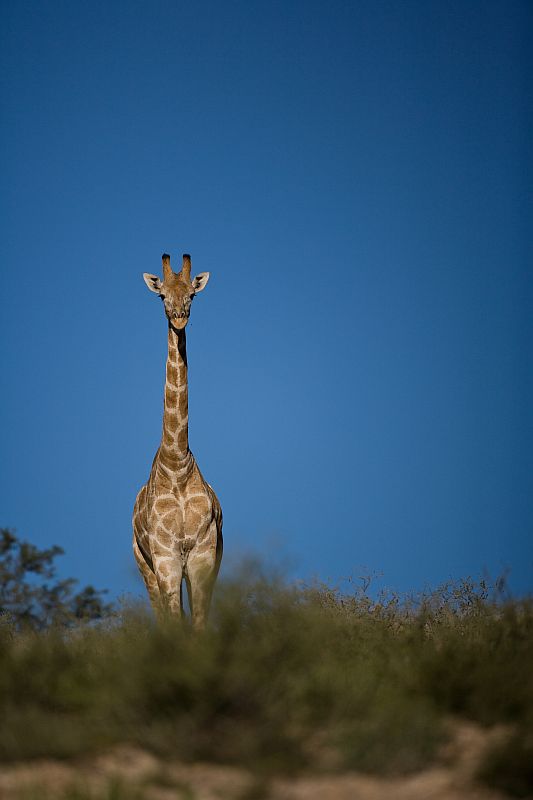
(508, 765)
(284, 677)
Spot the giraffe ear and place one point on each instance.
(200, 282)
(153, 282)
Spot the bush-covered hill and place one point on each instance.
(286, 678)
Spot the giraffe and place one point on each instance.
(177, 519)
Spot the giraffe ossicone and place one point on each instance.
(177, 519)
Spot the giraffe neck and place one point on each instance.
(174, 453)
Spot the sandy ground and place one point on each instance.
(142, 775)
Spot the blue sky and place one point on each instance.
(356, 177)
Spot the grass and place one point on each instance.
(285, 678)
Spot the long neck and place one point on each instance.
(174, 451)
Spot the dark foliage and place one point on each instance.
(509, 764)
(31, 595)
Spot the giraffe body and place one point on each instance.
(177, 519)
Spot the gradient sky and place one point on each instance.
(356, 177)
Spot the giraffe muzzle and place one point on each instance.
(179, 320)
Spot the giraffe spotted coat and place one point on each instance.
(177, 519)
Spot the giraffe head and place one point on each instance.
(177, 290)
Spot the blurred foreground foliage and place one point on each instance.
(286, 677)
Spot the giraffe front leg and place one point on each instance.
(169, 575)
(201, 576)
(148, 577)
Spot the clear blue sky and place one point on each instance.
(356, 176)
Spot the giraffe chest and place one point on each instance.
(183, 517)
